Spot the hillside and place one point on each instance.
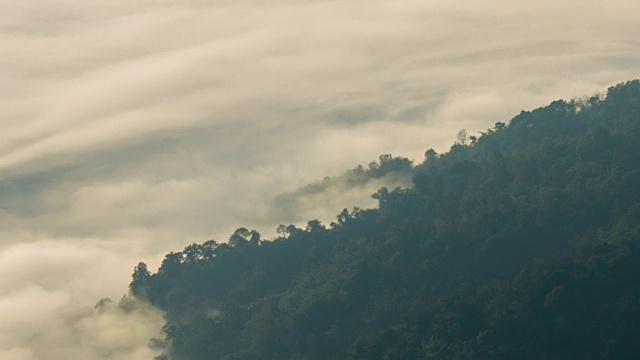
(521, 243)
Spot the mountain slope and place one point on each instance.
(522, 243)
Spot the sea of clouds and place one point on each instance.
(133, 128)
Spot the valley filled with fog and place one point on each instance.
(132, 129)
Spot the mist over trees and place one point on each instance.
(521, 242)
(388, 170)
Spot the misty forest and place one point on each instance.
(520, 242)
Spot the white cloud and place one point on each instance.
(133, 128)
(16, 353)
(28, 308)
(43, 305)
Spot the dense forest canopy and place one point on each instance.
(521, 242)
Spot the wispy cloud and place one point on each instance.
(133, 128)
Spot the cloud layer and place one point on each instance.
(130, 129)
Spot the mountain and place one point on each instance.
(353, 186)
(520, 243)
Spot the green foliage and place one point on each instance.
(523, 243)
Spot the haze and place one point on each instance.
(131, 129)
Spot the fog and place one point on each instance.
(131, 129)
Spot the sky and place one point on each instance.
(134, 128)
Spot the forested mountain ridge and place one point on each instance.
(522, 243)
(350, 187)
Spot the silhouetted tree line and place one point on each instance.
(521, 242)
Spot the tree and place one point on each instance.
(430, 155)
(141, 276)
(240, 236)
(315, 226)
(343, 216)
(255, 237)
(462, 138)
(282, 230)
